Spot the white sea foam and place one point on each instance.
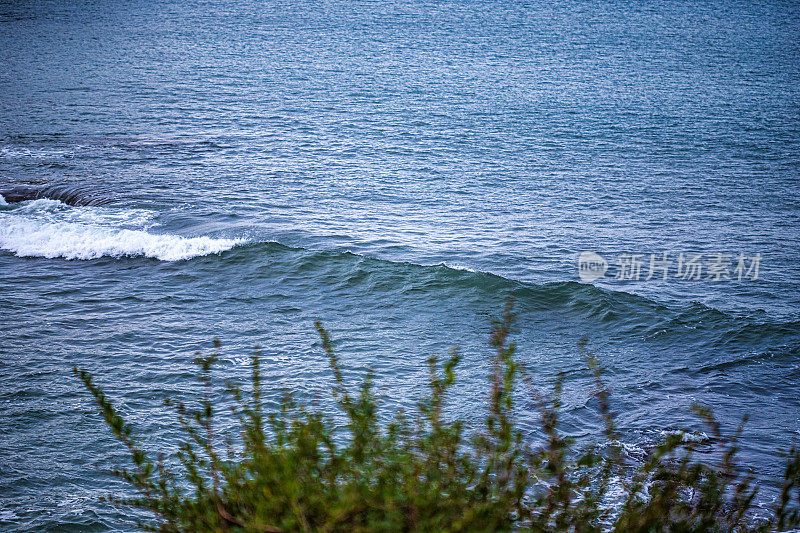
(48, 228)
(3, 200)
(456, 266)
(47, 210)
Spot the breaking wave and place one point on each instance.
(68, 194)
(50, 228)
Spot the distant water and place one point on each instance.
(173, 172)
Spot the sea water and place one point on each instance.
(174, 172)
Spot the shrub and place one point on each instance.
(291, 470)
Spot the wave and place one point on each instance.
(66, 194)
(51, 229)
(596, 311)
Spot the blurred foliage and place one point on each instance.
(291, 470)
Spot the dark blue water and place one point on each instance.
(179, 171)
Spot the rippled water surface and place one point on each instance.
(172, 172)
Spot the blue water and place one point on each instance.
(179, 171)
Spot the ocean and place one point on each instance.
(173, 172)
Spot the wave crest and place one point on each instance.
(66, 194)
(44, 229)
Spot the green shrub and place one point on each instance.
(293, 471)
